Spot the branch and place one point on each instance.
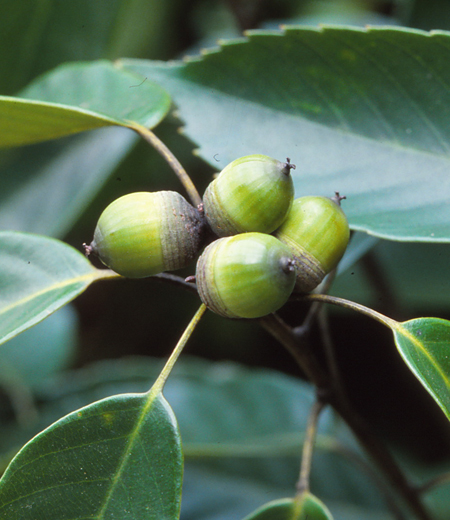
(305, 358)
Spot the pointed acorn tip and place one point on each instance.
(287, 265)
(287, 166)
(337, 198)
(89, 249)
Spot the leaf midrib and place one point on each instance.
(147, 405)
(61, 106)
(400, 329)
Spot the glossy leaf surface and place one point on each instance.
(38, 275)
(417, 275)
(233, 464)
(118, 458)
(358, 111)
(424, 344)
(78, 97)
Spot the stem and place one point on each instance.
(165, 372)
(174, 279)
(299, 348)
(347, 304)
(288, 445)
(316, 306)
(316, 374)
(308, 447)
(378, 481)
(382, 458)
(439, 480)
(330, 355)
(172, 161)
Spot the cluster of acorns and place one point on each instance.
(249, 272)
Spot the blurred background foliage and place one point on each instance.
(122, 318)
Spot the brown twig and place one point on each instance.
(173, 279)
(366, 437)
(299, 348)
(439, 480)
(314, 309)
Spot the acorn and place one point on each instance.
(253, 193)
(317, 232)
(146, 233)
(245, 276)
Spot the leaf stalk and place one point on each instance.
(171, 160)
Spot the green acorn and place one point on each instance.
(253, 193)
(317, 232)
(146, 233)
(245, 276)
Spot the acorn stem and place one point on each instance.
(176, 280)
(171, 160)
(165, 372)
(347, 304)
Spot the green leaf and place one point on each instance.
(417, 289)
(34, 356)
(358, 111)
(424, 344)
(312, 508)
(117, 458)
(238, 455)
(359, 245)
(281, 509)
(78, 97)
(253, 437)
(72, 170)
(37, 36)
(306, 507)
(38, 275)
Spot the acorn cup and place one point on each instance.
(145, 233)
(317, 232)
(253, 193)
(248, 275)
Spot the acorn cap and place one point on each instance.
(317, 232)
(145, 233)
